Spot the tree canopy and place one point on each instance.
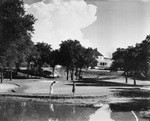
(16, 28)
(74, 56)
(134, 60)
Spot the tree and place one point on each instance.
(16, 28)
(135, 60)
(118, 63)
(44, 51)
(74, 56)
(91, 56)
(69, 55)
(32, 60)
(124, 59)
(132, 62)
(54, 59)
(143, 50)
(80, 63)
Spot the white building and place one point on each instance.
(104, 62)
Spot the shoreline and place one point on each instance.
(56, 99)
(78, 100)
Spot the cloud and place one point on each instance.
(61, 20)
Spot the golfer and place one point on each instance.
(51, 87)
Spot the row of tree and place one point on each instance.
(133, 60)
(71, 55)
(16, 46)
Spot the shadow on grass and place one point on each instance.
(99, 82)
(25, 77)
(132, 92)
(32, 77)
(25, 74)
(104, 81)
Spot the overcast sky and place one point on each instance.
(102, 24)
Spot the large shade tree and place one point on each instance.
(16, 29)
(32, 61)
(125, 60)
(68, 55)
(143, 57)
(74, 57)
(122, 60)
(44, 51)
(134, 60)
(91, 56)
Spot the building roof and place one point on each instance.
(96, 52)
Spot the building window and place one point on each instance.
(103, 64)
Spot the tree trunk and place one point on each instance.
(80, 74)
(76, 73)
(1, 74)
(126, 76)
(134, 78)
(10, 73)
(18, 66)
(72, 73)
(28, 65)
(134, 81)
(53, 71)
(87, 68)
(40, 70)
(147, 67)
(67, 73)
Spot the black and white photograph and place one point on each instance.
(74, 60)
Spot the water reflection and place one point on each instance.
(31, 111)
(102, 114)
(122, 111)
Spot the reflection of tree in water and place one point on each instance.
(122, 111)
(8, 110)
(135, 105)
(73, 113)
(24, 111)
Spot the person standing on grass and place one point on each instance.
(51, 87)
(73, 87)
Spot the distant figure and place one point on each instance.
(51, 87)
(73, 88)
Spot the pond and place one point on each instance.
(33, 111)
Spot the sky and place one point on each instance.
(102, 24)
